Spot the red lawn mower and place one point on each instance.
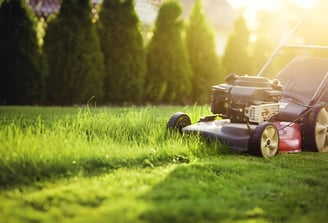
(263, 116)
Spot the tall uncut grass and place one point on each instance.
(37, 145)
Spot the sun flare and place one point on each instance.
(256, 5)
(251, 7)
(306, 4)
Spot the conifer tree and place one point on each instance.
(124, 52)
(20, 67)
(169, 71)
(268, 35)
(74, 55)
(202, 53)
(236, 57)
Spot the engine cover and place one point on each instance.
(261, 113)
(246, 99)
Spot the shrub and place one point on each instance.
(202, 53)
(124, 53)
(21, 70)
(76, 63)
(169, 71)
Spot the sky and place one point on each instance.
(267, 4)
(251, 7)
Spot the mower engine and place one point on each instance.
(246, 99)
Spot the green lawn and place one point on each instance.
(120, 165)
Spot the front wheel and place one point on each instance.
(264, 141)
(315, 130)
(178, 121)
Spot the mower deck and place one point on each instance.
(237, 135)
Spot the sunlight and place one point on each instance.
(221, 40)
(251, 7)
(255, 5)
(306, 4)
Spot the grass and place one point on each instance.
(120, 165)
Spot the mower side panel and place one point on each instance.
(289, 137)
(234, 135)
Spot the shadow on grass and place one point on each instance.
(26, 171)
(243, 189)
(202, 192)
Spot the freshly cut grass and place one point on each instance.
(121, 165)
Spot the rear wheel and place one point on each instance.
(315, 130)
(178, 121)
(264, 141)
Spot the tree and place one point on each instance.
(169, 70)
(236, 57)
(76, 63)
(21, 70)
(265, 42)
(124, 52)
(202, 54)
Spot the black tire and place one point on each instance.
(178, 121)
(264, 141)
(315, 130)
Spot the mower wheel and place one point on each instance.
(315, 130)
(264, 141)
(178, 121)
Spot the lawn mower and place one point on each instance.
(265, 116)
